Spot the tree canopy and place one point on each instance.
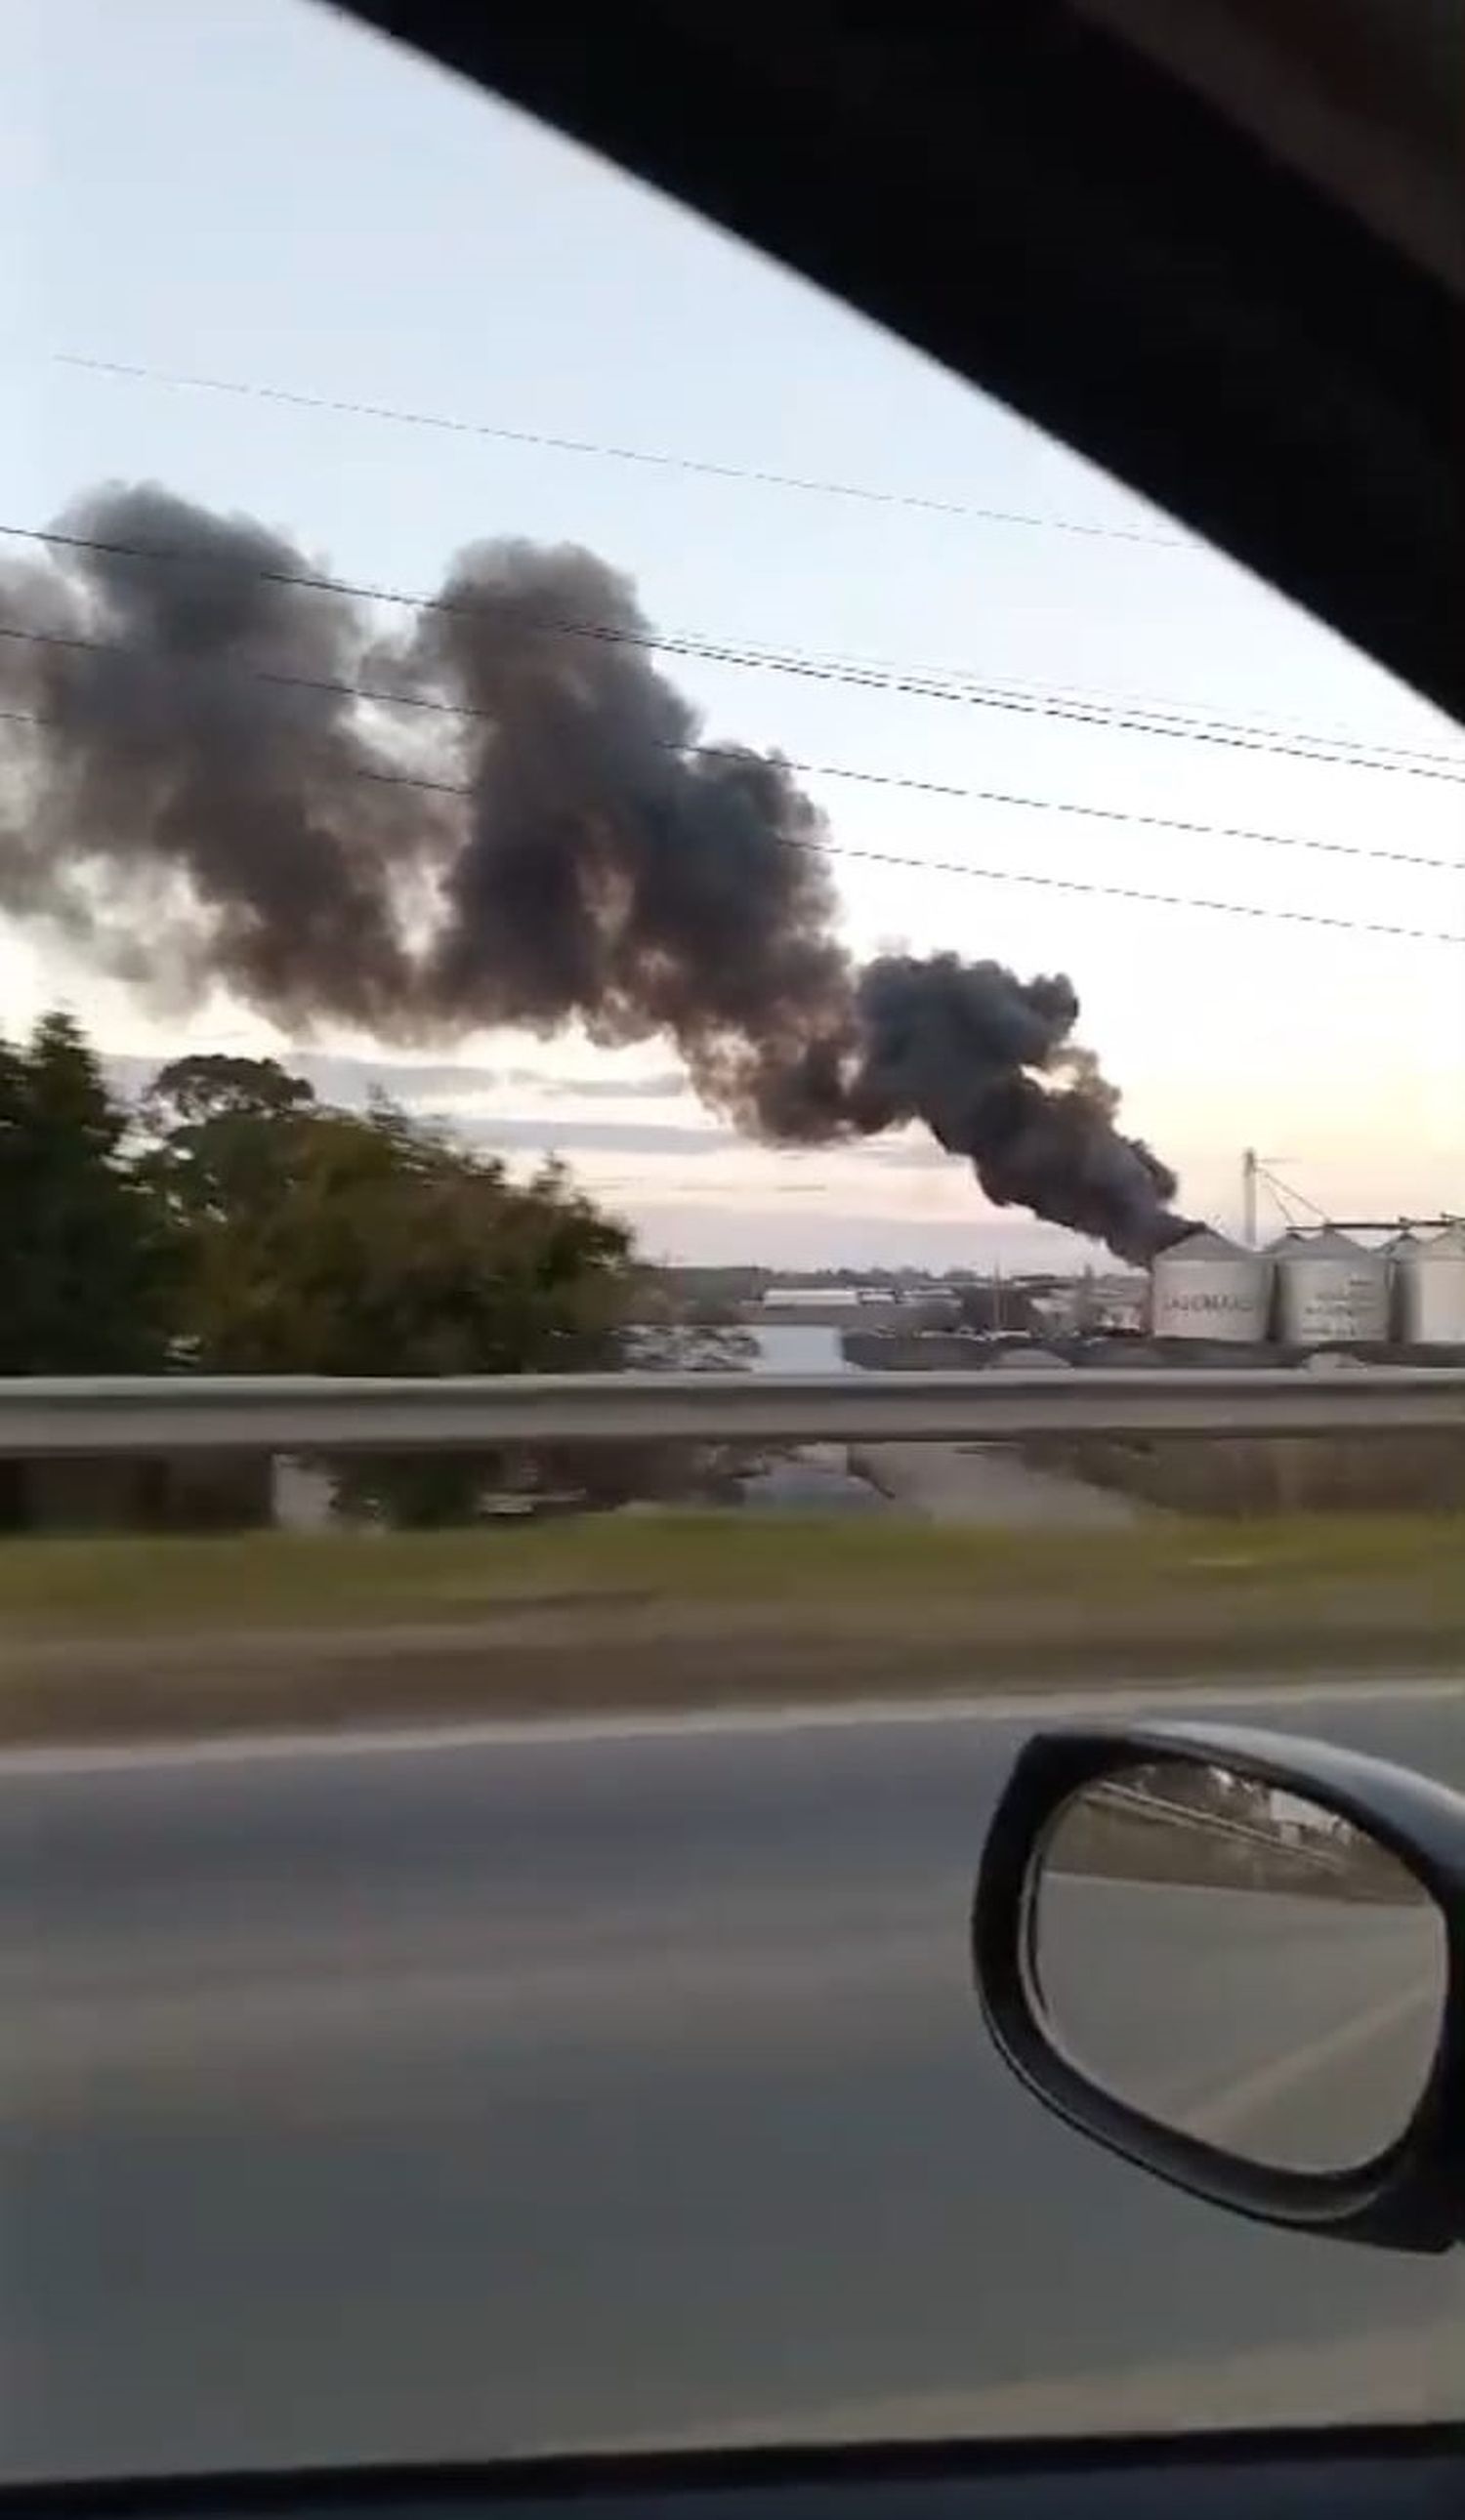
(235, 1224)
(86, 1272)
(327, 1241)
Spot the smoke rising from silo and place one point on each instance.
(209, 798)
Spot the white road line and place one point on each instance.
(1038, 1705)
(1229, 2111)
(1399, 2374)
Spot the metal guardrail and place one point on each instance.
(1131, 1804)
(42, 1417)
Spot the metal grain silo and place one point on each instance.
(1430, 1289)
(1331, 1291)
(1209, 1288)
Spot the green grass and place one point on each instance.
(121, 1587)
(130, 1638)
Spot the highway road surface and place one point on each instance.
(987, 1484)
(513, 2092)
(1299, 2030)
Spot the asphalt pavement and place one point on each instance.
(1298, 2031)
(519, 2092)
(985, 1484)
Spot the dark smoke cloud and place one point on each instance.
(205, 805)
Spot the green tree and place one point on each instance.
(221, 1132)
(326, 1241)
(208, 1086)
(85, 1277)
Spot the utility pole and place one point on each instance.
(1248, 1171)
(1255, 1169)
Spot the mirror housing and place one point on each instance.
(1411, 2196)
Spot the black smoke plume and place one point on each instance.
(195, 790)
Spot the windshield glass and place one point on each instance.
(571, 806)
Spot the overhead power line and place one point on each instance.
(1015, 874)
(906, 782)
(655, 458)
(1169, 719)
(965, 867)
(800, 665)
(1207, 726)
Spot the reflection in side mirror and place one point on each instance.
(1237, 1962)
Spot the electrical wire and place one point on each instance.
(904, 782)
(1158, 719)
(1012, 875)
(1145, 716)
(807, 667)
(655, 458)
(964, 867)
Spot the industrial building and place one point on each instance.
(1313, 1289)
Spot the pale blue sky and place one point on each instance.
(256, 191)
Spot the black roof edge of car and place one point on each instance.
(600, 2476)
(1026, 198)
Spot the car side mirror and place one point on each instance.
(1238, 1959)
